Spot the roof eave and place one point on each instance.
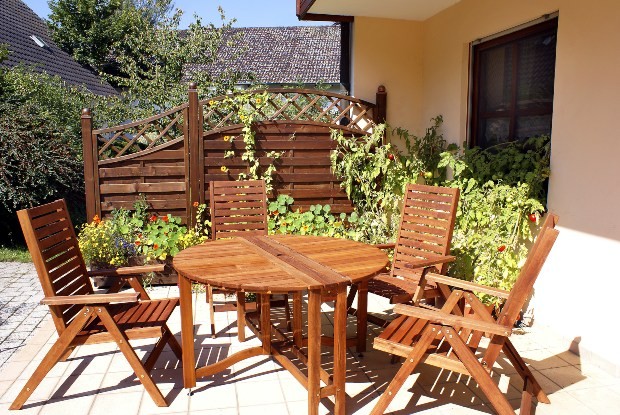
(303, 6)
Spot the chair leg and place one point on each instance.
(406, 369)
(525, 373)
(123, 344)
(52, 357)
(211, 309)
(478, 372)
(287, 312)
(154, 354)
(174, 344)
(297, 319)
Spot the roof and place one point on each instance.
(281, 55)
(17, 24)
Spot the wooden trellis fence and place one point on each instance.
(171, 157)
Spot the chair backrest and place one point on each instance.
(426, 226)
(54, 248)
(529, 272)
(238, 207)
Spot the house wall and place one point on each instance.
(575, 294)
(389, 52)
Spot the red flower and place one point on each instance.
(532, 217)
(155, 246)
(501, 248)
(137, 243)
(164, 218)
(153, 218)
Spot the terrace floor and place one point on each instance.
(97, 380)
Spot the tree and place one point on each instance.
(87, 29)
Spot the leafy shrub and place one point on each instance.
(503, 194)
(317, 220)
(37, 162)
(127, 234)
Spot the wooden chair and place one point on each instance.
(447, 339)
(82, 317)
(423, 241)
(238, 208)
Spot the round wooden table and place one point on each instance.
(281, 264)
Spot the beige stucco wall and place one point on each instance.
(579, 283)
(390, 52)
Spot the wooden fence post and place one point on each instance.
(193, 193)
(90, 163)
(381, 109)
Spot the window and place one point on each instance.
(513, 85)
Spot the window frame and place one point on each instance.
(549, 23)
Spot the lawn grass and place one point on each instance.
(14, 254)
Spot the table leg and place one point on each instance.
(314, 351)
(340, 349)
(265, 322)
(241, 316)
(187, 332)
(362, 316)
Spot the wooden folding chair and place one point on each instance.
(423, 241)
(238, 208)
(448, 339)
(82, 317)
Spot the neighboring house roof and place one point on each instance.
(17, 24)
(281, 55)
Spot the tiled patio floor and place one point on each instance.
(97, 380)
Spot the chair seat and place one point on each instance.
(402, 334)
(397, 290)
(132, 316)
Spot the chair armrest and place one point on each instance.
(445, 319)
(435, 260)
(385, 246)
(466, 285)
(126, 271)
(91, 299)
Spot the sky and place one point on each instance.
(249, 13)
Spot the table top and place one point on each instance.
(280, 263)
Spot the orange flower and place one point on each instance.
(96, 219)
(164, 218)
(155, 246)
(153, 218)
(195, 204)
(137, 243)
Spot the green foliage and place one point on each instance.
(245, 108)
(317, 220)
(37, 162)
(502, 190)
(88, 29)
(14, 254)
(127, 234)
(374, 175)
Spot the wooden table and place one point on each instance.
(281, 264)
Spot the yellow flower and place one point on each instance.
(224, 169)
(212, 103)
(259, 101)
(226, 138)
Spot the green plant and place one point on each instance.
(317, 220)
(246, 109)
(502, 189)
(14, 254)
